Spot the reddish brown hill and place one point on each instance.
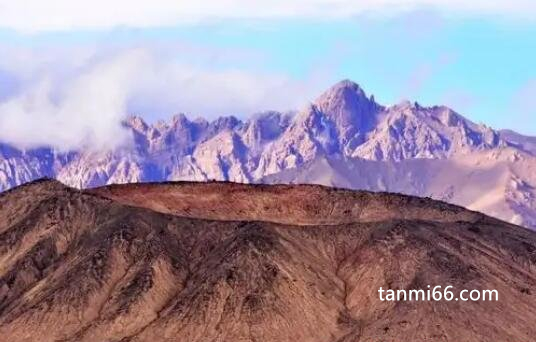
(287, 204)
(227, 262)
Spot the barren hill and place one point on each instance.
(225, 262)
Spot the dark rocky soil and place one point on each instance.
(228, 262)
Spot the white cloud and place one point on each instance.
(85, 110)
(38, 15)
(68, 102)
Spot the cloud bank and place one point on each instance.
(75, 98)
(59, 15)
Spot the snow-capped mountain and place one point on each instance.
(345, 138)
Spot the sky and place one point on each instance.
(70, 71)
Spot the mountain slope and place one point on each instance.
(84, 266)
(344, 127)
(498, 183)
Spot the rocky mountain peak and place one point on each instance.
(343, 95)
(346, 84)
(180, 120)
(136, 122)
(348, 107)
(225, 122)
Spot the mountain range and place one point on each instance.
(344, 139)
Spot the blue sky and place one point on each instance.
(479, 62)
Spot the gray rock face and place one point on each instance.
(344, 138)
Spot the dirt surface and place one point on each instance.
(227, 262)
(287, 204)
